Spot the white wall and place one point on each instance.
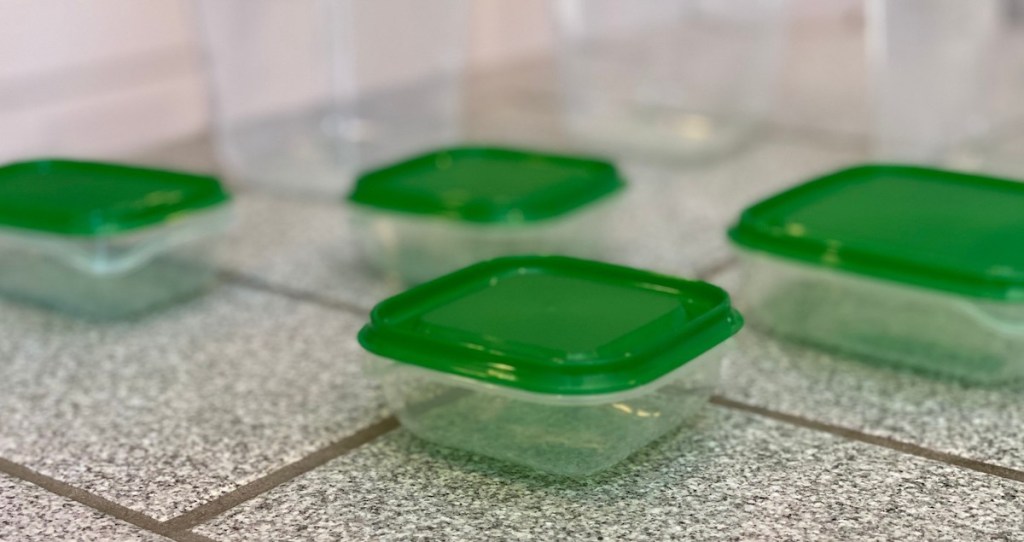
(95, 78)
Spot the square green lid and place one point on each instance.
(551, 324)
(487, 185)
(942, 230)
(88, 198)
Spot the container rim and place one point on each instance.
(591, 179)
(757, 229)
(693, 317)
(720, 351)
(169, 196)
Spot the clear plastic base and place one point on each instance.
(113, 276)
(899, 325)
(42, 279)
(414, 249)
(566, 435)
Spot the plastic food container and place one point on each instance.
(435, 213)
(684, 79)
(564, 365)
(915, 267)
(307, 93)
(106, 240)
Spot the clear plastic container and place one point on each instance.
(688, 79)
(106, 241)
(308, 92)
(566, 366)
(913, 267)
(435, 213)
(928, 62)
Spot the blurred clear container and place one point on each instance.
(928, 62)
(566, 366)
(683, 78)
(997, 134)
(105, 240)
(307, 92)
(434, 213)
(914, 267)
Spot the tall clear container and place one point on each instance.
(682, 78)
(308, 92)
(927, 62)
(998, 135)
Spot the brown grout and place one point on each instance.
(96, 502)
(717, 268)
(248, 281)
(218, 506)
(188, 536)
(884, 442)
(178, 528)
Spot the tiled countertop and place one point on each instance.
(244, 415)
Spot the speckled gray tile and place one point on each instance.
(975, 422)
(167, 412)
(31, 514)
(730, 477)
(306, 246)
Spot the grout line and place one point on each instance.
(218, 506)
(815, 136)
(717, 268)
(884, 442)
(187, 536)
(95, 502)
(248, 281)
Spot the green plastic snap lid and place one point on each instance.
(551, 324)
(87, 198)
(487, 185)
(938, 229)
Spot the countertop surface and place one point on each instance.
(244, 414)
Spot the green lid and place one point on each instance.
(87, 198)
(488, 185)
(937, 229)
(552, 324)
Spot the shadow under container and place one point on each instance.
(913, 267)
(104, 240)
(563, 365)
(435, 213)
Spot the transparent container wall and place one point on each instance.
(683, 78)
(927, 61)
(113, 276)
(995, 144)
(898, 325)
(308, 92)
(411, 249)
(569, 436)
(40, 277)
